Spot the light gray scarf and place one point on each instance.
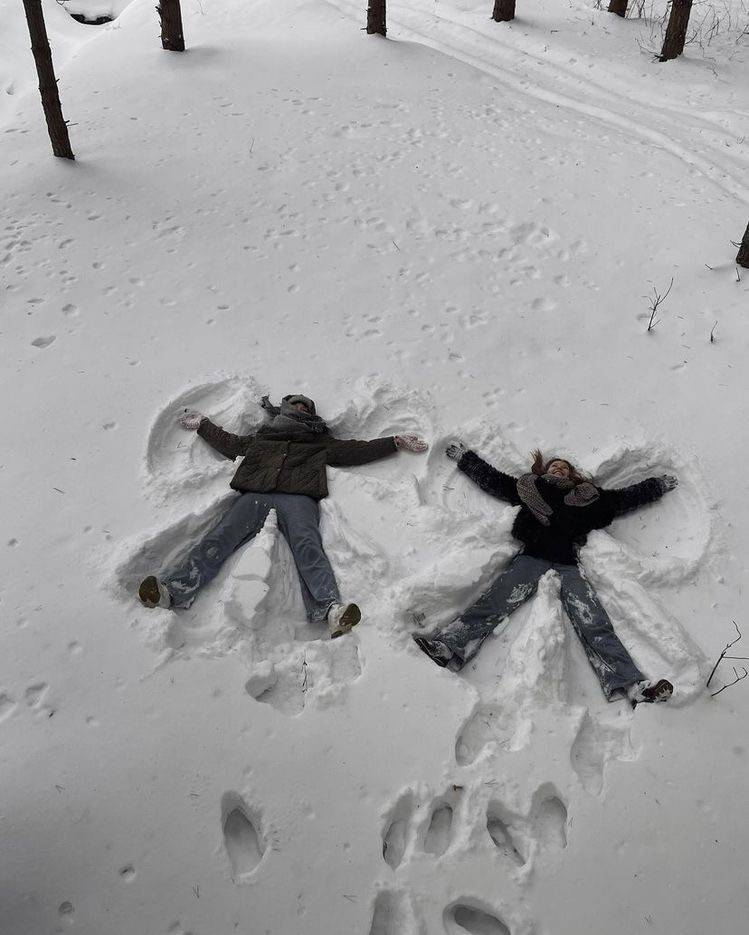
(578, 495)
(288, 422)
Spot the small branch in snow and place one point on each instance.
(738, 275)
(739, 678)
(712, 333)
(304, 674)
(655, 302)
(351, 898)
(196, 890)
(724, 655)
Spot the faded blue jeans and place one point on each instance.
(610, 660)
(298, 519)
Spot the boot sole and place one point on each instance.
(148, 592)
(351, 616)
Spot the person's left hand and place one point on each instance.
(411, 443)
(669, 481)
(190, 419)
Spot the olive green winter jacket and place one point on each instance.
(298, 465)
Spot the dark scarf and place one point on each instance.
(577, 495)
(288, 422)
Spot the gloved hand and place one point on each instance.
(190, 419)
(411, 443)
(669, 481)
(455, 450)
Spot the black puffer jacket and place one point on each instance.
(569, 525)
(273, 464)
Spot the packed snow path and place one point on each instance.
(294, 205)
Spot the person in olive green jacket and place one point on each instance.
(283, 468)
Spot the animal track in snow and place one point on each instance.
(242, 840)
(43, 341)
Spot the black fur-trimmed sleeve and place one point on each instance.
(488, 478)
(626, 499)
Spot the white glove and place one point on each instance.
(455, 450)
(411, 443)
(669, 482)
(190, 419)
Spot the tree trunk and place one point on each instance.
(170, 14)
(676, 32)
(742, 257)
(619, 7)
(58, 129)
(376, 18)
(504, 11)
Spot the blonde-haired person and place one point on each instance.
(559, 506)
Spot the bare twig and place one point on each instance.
(655, 302)
(739, 678)
(304, 673)
(712, 333)
(723, 654)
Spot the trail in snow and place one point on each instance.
(721, 157)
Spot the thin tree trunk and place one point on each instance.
(676, 32)
(504, 11)
(170, 14)
(58, 129)
(376, 23)
(742, 257)
(619, 7)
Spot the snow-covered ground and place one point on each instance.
(455, 232)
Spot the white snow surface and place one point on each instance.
(453, 232)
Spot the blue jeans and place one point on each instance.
(298, 520)
(610, 660)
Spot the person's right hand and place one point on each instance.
(669, 482)
(190, 419)
(455, 450)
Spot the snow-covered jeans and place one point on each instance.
(610, 660)
(299, 521)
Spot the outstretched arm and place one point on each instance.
(626, 499)
(225, 443)
(349, 452)
(489, 479)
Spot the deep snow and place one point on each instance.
(453, 232)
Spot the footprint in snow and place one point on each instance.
(461, 918)
(244, 845)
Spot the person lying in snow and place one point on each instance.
(283, 469)
(558, 508)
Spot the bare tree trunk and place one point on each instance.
(504, 11)
(742, 257)
(376, 18)
(619, 7)
(676, 32)
(58, 129)
(170, 14)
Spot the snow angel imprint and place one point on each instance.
(558, 508)
(283, 469)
